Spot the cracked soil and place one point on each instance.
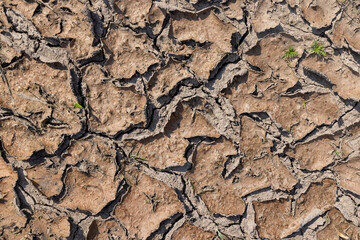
(179, 119)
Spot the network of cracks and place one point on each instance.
(179, 119)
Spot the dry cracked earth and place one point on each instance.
(179, 119)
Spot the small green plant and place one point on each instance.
(134, 157)
(17, 230)
(78, 106)
(290, 54)
(291, 129)
(126, 180)
(192, 183)
(219, 163)
(304, 103)
(220, 234)
(317, 48)
(152, 200)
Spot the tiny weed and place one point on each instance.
(78, 106)
(126, 180)
(317, 48)
(98, 169)
(192, 183)
(219, 163)
(358, 173)
(17, 230)
(305, 102)
(338, 154)
(220, 234)
(134, 157)
(148, 199)
(290, 54)
(152, 200)
(291, 129)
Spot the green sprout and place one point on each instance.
(78, 106)
(219, 234)
(152, 200)
(134, 157)
(317, 48)
(17, 230)
(192, 183)
(291, 129)
(219, 163)
(290, 54)
(305, 102)
(126, 180)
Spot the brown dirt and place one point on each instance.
(164, 119)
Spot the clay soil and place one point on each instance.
(179, 119)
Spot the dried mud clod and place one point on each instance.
(154, 119)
